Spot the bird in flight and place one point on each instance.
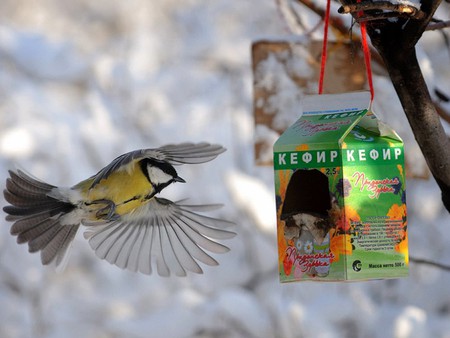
(126, 223)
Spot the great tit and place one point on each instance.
(126, 223)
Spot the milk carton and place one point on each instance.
(340, 192)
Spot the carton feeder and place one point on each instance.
(340, 189)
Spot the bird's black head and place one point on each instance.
(159, 173)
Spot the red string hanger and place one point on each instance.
(366, 51)
(365, 46)
(323, 60)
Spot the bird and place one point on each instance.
(126, 221)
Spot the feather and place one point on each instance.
(191, 153)
(63, 253)
(168, 251)
(27, 183)
(133, 258)
(24, 223)
(23, 191)
(174, 236)
(27, 202)
(201, 207)
(39, 237)
(58, 245)
(200, 239)
(106, 239)
(161, 265)
(184, 153)
(197, 222)
(37, 216)
(145, 262)
(183, 250)
(125, 252)
(193, 241)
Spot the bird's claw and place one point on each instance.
(107, 212)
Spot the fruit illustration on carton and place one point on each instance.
(340, 187)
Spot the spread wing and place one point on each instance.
(173, 234)
(183, 153)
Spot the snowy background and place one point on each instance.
(84, 81)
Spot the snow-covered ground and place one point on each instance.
(84, 81)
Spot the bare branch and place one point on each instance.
(438, 25)
(445, 115)
(431, 263)
(335, 21)
(290, 16)
(338, 25)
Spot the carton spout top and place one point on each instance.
(326, 119)
(336, 102)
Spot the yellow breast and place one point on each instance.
(126, 189)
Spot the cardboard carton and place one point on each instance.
(340, 191)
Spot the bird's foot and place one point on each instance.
(107, 212)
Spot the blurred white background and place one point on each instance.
(82, 82)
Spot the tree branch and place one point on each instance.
(438, 25)
(442, 113)
(431, 263)
(441, 97)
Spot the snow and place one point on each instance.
(83, 82)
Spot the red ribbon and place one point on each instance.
(366, 51)
(365, 45)
(323, 61)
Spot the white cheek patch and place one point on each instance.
(157, 176)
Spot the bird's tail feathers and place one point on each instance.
(37, 217)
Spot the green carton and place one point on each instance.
(340, 192)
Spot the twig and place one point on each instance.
(431, 263)
(442, 113)
(337, 23)
(289, 15)
(438, 25)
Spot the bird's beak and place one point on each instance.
(179, 179)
